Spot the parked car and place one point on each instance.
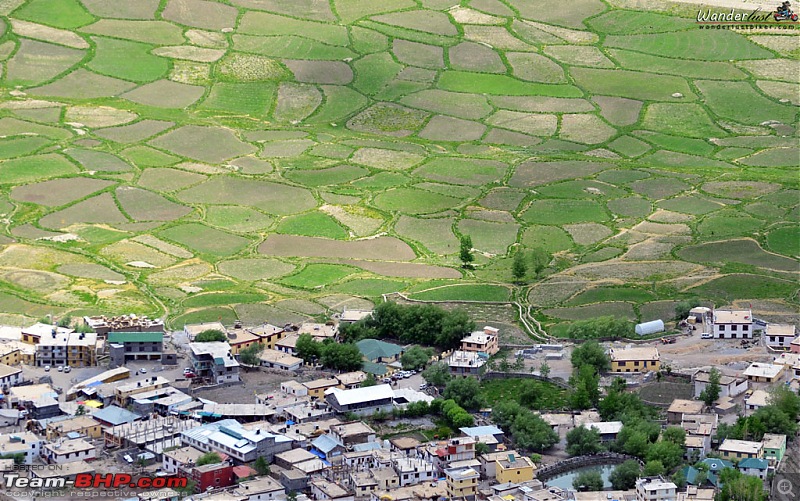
(47, 368)
(60, 368)
(67, 368)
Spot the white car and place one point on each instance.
(47, 368)
(60, 368)
(707, 335)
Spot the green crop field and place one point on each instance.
(271, 160)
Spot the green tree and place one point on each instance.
(65, 321)
(261, 466)
(481, 449)
(465, 252)
(679, 479)
(341, 356)
(736, 486)
(711, 392)
(624, 476)
(532, 432)
(369, 381)
(210, 335)
(505, 412)
(586, 393)
(590, 353)
(416, 357)
(653, 468)
(539, 259)
(519, 267)
(250, 354)
(674, 434)
(669, 453)
(600, 327)
(588, 481)
(784, 399)
(519, 363)
(437, 374)
(582, 441)
(208, 458)
(80, 411)
(544, 370)
(307, 348)
(682, 308)
(465, 391)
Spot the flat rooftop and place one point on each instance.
(733, 317)
(634, 354)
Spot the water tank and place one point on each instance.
(650, 327)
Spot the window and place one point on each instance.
(734, 328)
(745, 327)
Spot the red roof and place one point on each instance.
(243, 471)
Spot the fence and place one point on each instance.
(570, 464)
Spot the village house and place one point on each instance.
(163, 401)
(699, 428)
(320, 332)
(351, 433)
(794, 347)
(26, 444)
(67, 451)
(608, 430)
(361, 401)
(466, 363)
(462, 483)
(733, 324)
(287, 344)
(362, 483)
(455, 450)
(655, 489)
(735, 450)
(515, 469)
(9, 376)
(214, 361)
(279, 360)
(755, 467)
(10, 353)
(729, 386)
(76, 349)
(774, 448)
(294, 388)
(412, 471)
(490, 435)
(764, 373)
(83, 425)
(240, 338)
(756, 400)
(180, 461)
(423, 492)
(241, 444)
(641, 359)
(323, 490)
(125, 346)
(114, 415)
(779, 336)
(34, 333)
(293, 457)
(260, 489)
(317, 388)
(124, 392)
(679, 407)
(407, 446)
(377, 351)
(268, 334)
(485, 341)
(351, 380)
(192, 330)
(213, 476)
(353, 316)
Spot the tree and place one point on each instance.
(341, 356)
(80, 411)
(261, 466)
(600, 327)
(307, 348)
(674, 434)
(465, 253)
(784, 399)
(539, 258)
(465, 391)
(590, 353)
(416, 357)
(210, 335)
(505, 412)
(669, 453)
(370, 381)
(437, 374)
(711, 392)
(519, 267)
(456, 415)
(586, 392)
(653, 468)
(481, 449)
(582, 441)
(736, 486)
(532, 432)
(208, 458)
(683, 307)
(588, 481)
(250, 354)
(544, 370)
(679, 479)
(519, 363)
(530, 394)
(624, 476)
(291, 496)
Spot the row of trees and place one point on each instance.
(426, 325)
(333, 355)
(528, 430)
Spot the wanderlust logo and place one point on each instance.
(733, 19)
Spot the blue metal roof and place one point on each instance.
(325, 444)
(116, 415)
(480, 431)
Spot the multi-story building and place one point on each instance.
(774, 447)
(192, 330)
(764, 373)
(456, 449)
(375, 350)
(515, 469)
(124, 346)
(279, 360)
(260, 489)
(83, 425)
(485, 341)
(466, 363)
(317, 388)
(287, 343)
(780, 336)
(655, 489)
(34, 333)
(215, 361)
(269, 334)
(24, 443)
(462, 483)
(734, 450)
(241, 444)
(679, 407)
(181, 460)
(755, 467)
(640, 359)
(353, 316)
(412, 471)
(324, 490)
(361, 401)
(240, 338)
(794, 346)
(733, 324)
(76, 349)
(69, 451)
(213, 476)
(9, 354)
(103, 325)
(319, 332)
(124, 392)
(351, 380)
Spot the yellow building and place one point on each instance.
(269, 334)
(239, 339)
(515, 469)
(84, 425)
(736, 450)
(642, 359)
(10, 355)
(316, 388)
(123, 392)
(462, 483)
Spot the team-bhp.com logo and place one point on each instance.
(93, 481)
(758, 18)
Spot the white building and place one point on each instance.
(214, 361)
(10, 376)
(413, 471)
(261, 489)
(21, 443)
(729, 386)
(756, 400)
(69, 451)
(361, 401)
(655, 489)
(279, 360)
(780, 336)
(733, 324)
(182, 459)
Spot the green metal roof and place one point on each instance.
(373, 349)
(135, 337)
(374, 369)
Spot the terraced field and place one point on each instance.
(273, 160)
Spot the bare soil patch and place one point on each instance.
(503, 136)
(388, 119)
(634, 271)
(99, 209)
(377, 248)
(536, 125)
(269, 197)
(495, 36)
(99, 116)
(536, 173)
(588, 129)
(587, 233)
(542, 104)
(101, 161)
(135, 132)
(386, 159)
(471, 56)
(166, 94)
(37, 62)
(206, 144)
(421, 20)
(140, 9)
(48, 34)
(200, 14)
(168, 248)
(405, 270)
(322, 72)
(296, 101)
(535, 68)
(58, 191)
(443, 128)
(190, 53)
(166, 179)
(143, 205)
(740, 189)
(90, 270)
(418, 54)
(619, 110)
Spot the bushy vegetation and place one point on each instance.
(210, 336)
(600, 328)
(333, 355)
